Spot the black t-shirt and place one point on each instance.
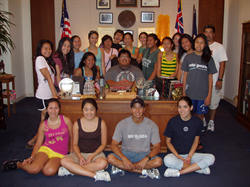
(116, 46)
(182, 133)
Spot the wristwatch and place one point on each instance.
(148, 156)
(220, 80)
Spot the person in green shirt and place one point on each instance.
(149, 60)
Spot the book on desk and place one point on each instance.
(164, 85)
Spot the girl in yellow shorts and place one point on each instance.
(47, 153)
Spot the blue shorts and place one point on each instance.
(133, 157)
(199, 107)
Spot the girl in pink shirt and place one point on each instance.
(48, 151)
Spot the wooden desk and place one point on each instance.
(8, 78)
(113, 111)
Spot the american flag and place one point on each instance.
(65, 25)
(179, 20)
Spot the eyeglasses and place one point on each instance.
(122, 57)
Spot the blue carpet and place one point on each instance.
(230, 143)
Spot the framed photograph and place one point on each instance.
(106, 18)
(126, 3)
(147, 17)
(103, 4)
(150, 3)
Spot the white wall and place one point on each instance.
(236, 12)
(20, 63)
(84, 16)
(6, 57)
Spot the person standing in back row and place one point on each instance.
(220, 57)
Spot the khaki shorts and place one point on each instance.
(215, 99)
(75, 158)
(49, 152)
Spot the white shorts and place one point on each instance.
(215, 99)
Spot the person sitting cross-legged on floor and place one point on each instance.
(54, 136)
(182, 137)
(89, 141)
(136, 133)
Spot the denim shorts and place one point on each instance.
(132, 156)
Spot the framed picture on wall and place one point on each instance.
(106, 18)
(147, 17)
(150, 3)
(126, 3)
(103, 4)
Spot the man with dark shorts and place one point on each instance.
(136, 133)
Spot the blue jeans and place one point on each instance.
(132, 156)
(203, 160)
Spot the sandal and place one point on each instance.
(29, 146)
(199, 147)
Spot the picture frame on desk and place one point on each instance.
(103, 4)
(126, 3)
(106, 18)
(150, 3)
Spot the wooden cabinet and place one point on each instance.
(113, 111)
(243, 114)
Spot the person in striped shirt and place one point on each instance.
(167, 60)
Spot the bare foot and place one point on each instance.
(31, 143)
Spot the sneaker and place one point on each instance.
(115, 170)
(156, 173)
(102, 176)
(147, 173)
(62, 171)
(171, 173)
(210, 126)
(10, 165)
(204, 171)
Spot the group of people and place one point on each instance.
(199, 64)
(86, 140)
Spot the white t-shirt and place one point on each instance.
(43, 91)
(107, 55)
(219, 55)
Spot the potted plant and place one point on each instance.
(6, 43)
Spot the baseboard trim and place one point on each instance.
(23, 96)
(230, 100)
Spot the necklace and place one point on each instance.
(55, 122)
